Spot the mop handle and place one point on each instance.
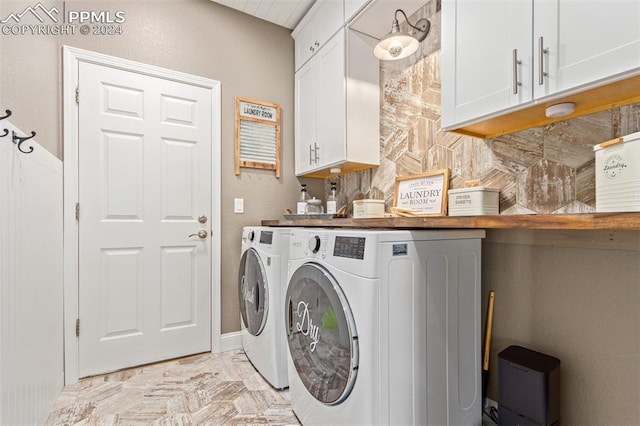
(487, 336)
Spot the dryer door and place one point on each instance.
(253, 292)
(321, 332)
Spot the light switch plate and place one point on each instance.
(238, 205)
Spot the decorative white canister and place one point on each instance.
(368, 208)
(618, 174)
(474, 201)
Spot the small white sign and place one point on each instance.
(262, 112)
(424, 194)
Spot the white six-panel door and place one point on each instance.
(144, 181)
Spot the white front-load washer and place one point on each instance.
(383, 327)
(262, 280)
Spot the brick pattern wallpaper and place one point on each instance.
(546, 169)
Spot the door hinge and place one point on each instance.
(77, 211)
(78, 327)
(77, 94)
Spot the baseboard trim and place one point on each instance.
(231, 341)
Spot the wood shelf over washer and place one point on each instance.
(582, 221)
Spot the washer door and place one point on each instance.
(253, 292)
(322, 335)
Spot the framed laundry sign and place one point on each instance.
(257, 135)
(423, 194)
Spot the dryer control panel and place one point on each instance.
(314, 244)
(317, 245)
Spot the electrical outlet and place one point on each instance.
(490, 412)
(238, 205)
(488, 403)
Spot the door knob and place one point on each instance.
(202, 219)
(201, 234)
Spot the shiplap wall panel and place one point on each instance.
(31, 281)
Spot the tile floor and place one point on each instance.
(206, 389)
(212, 389)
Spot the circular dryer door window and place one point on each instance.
(253, 292)
(321, 333)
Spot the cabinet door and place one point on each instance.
(351, 7)
(546, 48)
(331, 102)
(305, 117)
(317, 26)
(362, 131)
(486, 57)
(596, 40)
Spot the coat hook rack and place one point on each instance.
(17, 140)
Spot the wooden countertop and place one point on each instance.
(583, 221)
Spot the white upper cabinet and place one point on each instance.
(588, 41)
(486, 57)
(320, 108)
(337, 109)
(502, 55)
(322, 21)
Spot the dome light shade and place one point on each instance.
(397, 44)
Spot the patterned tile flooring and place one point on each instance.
(206, 389)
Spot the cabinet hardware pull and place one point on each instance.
(317, 152)
(311, 48)
(516, 62)
(311, 151)
(541, 52)
(316, 44)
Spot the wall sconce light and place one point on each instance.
(398, 44)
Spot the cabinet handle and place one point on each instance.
(311, 49)
(317, 152)
(516, 62)
(311, 152)
(316, 44)
(541, 52)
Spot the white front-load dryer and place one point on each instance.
(383, 327)
(262, 280)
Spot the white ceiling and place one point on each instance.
(286, 13)
(375, 19)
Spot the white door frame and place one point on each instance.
(71, 58)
